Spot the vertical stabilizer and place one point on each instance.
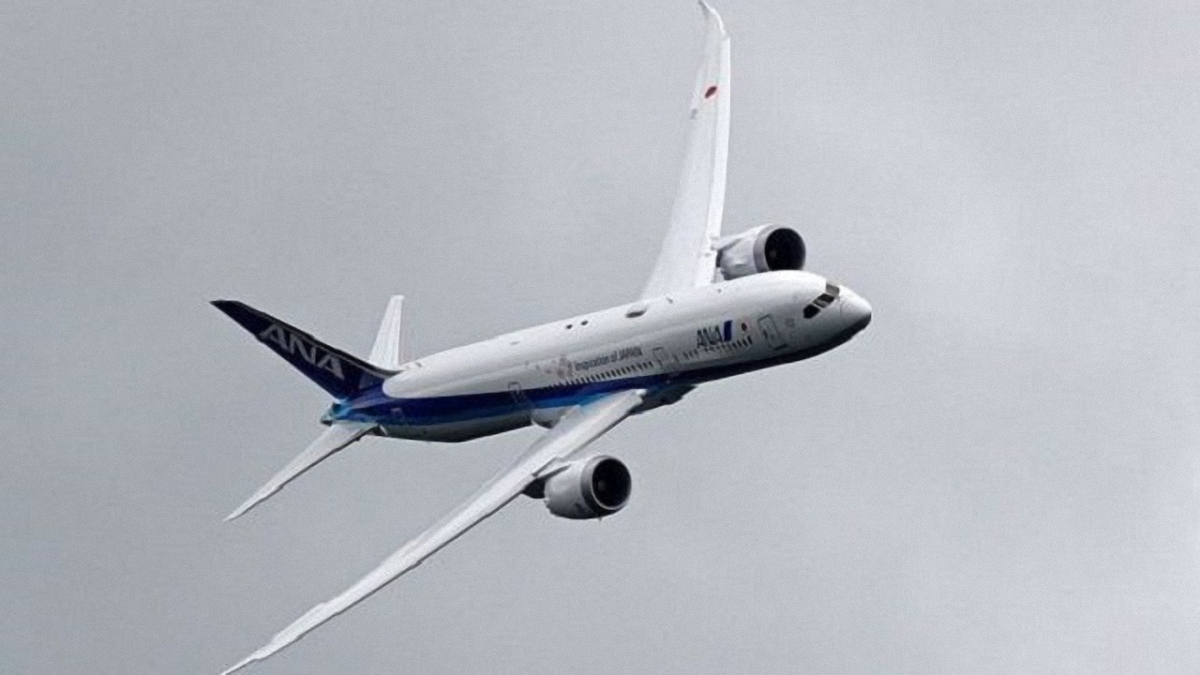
(386, 352)
(332, 369)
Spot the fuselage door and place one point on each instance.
(518, 396)
(766, 325)
(663, 359)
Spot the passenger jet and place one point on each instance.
(714, 307)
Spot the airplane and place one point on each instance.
(714, 307)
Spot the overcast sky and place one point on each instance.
(999, 476)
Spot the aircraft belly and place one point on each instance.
(459, 431)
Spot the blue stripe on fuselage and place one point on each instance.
(375, 406)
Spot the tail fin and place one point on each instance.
(333, 370)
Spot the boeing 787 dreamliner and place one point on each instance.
(714, 307)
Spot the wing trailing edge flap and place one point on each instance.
(336, 437)
(577, 429)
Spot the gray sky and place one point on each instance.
(998, 476)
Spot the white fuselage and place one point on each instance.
(665, 345)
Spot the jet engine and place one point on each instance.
(588, 488)
(766, 248)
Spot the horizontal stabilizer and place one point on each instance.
(333, 370)
(578, 428)
(385, 353)
(333, 439)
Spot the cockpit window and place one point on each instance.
(823, 300)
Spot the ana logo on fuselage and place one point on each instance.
(291, 344)
(711, 336)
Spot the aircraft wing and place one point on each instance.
(688, 256)
(574, 431)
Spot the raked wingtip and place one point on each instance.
(241, 510)
(709, 11)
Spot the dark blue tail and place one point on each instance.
(335, 371)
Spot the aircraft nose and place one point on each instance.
(856, 312)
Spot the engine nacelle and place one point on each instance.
(766, 248)
(589, 488)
